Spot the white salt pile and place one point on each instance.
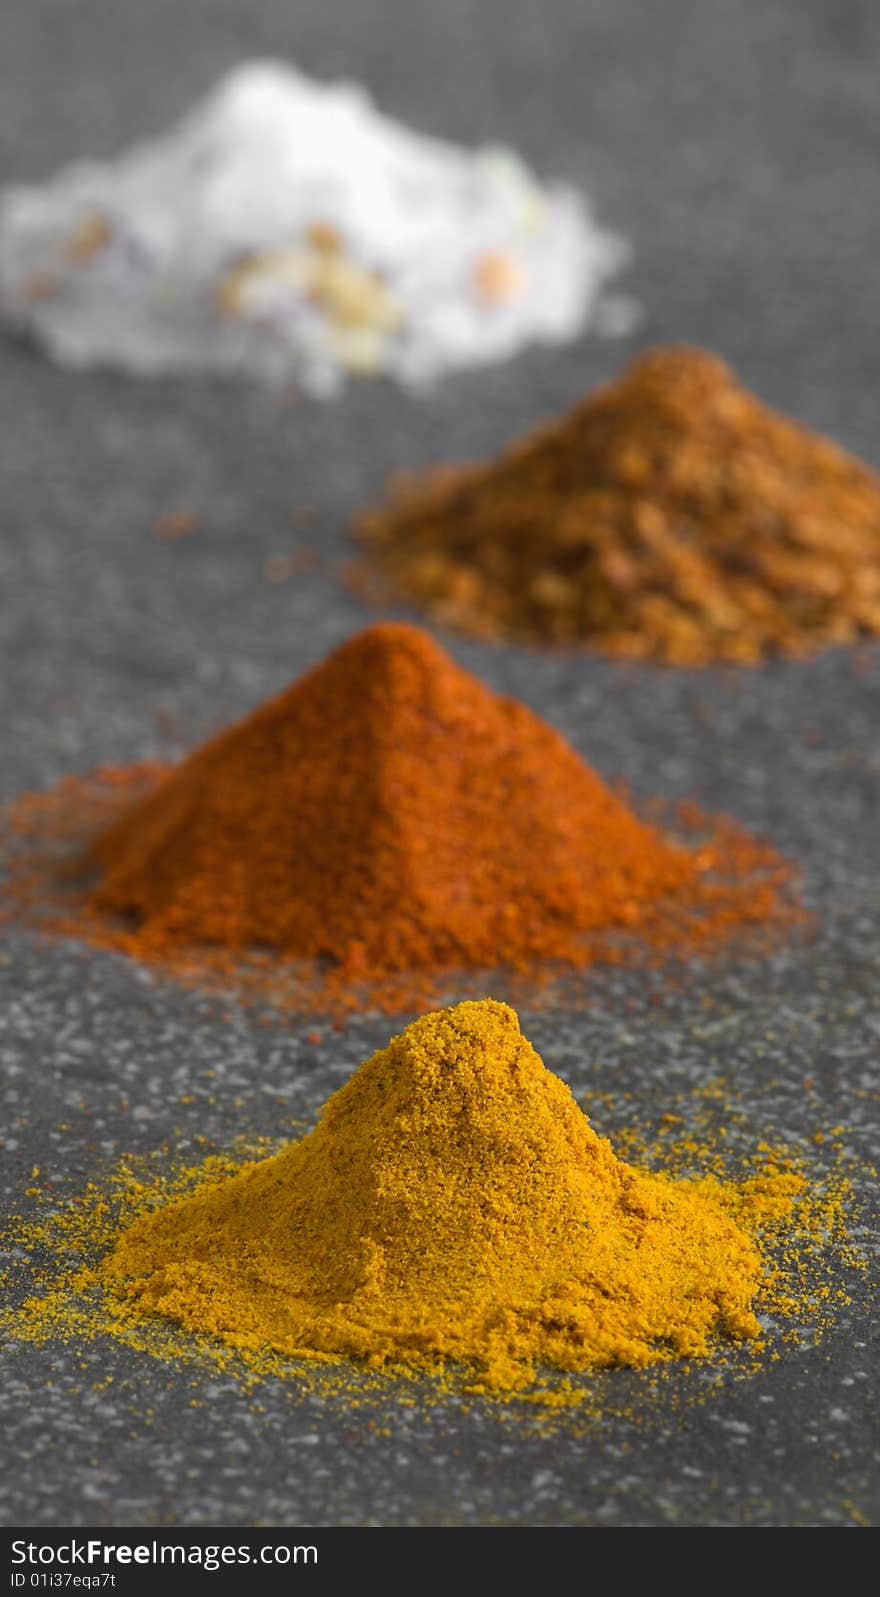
(287, 230)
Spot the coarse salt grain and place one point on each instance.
(286, 230)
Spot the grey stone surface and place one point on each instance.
(736, 144)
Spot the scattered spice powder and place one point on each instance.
(280, 568)
(452, 1206)
(390, 814)
(670, 516)
(176, 524)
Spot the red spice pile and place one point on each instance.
(388, 814)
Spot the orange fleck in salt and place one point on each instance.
(89, 237)
(498, 278)
(325, 237)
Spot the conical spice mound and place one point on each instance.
(389, 812)
(670, 515)
(452, 1203)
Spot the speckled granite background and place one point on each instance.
(736, 145)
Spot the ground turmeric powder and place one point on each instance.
(453, 1203)
(671, 515)
(388, 813)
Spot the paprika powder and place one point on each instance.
(390, 816)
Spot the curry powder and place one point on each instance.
(453, 1203)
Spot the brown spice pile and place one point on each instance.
(387, 814)
(670, 516)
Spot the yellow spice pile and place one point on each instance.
(453, 1203)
